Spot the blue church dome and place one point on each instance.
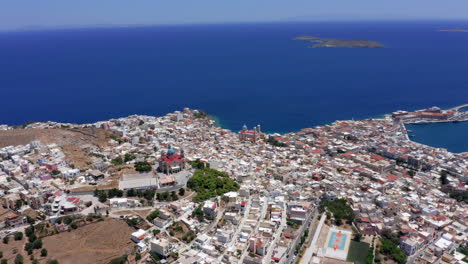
(170, 151)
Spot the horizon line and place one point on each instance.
(290, 21)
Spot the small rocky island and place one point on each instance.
(339, 43)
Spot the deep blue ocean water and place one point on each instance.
(240, 73)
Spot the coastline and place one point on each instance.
(458, 116)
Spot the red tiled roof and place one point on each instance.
(392, 177)
(377, 157)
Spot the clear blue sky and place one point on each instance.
(15, 14)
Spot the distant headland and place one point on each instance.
(339, 43)
(453, 30)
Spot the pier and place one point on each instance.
(432, 115)
(457, 108)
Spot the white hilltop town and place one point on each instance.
(180, 189)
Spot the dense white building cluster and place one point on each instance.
(389, 181)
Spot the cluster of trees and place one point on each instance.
(197, 164)
(120, 260)
(133, 221)
(165, 196)
(91, 216)
(339, 208)
(200, 114)
(153, 215)
(304, 237)
(18, 235)
(390, 242)
(114, 192)
(101, 194)
(198, 212)
(117, 161)
(357, 237)
(128, 157)
(147, 194)
(370, 256)
(293, 224)
(18, 259)
(275, 142)
(444, 178)
(142, 166)
(189, 236)
(459, 195)
(104, 195)
(209, 183)
(33, 241)
(393, 251)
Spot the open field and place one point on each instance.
(94, 243)
(73, 141)
(142, 213)
(358, 252)
(12, 248)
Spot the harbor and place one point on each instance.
(426, 127)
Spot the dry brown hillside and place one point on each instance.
(74, 142)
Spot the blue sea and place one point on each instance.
(240, 73)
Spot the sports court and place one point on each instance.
(337, 243)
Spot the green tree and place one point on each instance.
(32, 238)
(29, 230)
(179, 229)
(67, 220)
(4, 261)
(165, 196)
(5, 240)
(181, 191)
(117, 161)
(102, 197)
(149, 194)
(28, 246)
(44, 252)
(153, 215)
(131, 193)
(119, 260)
(357, 237)
(37, 244)
(114, 192)
(19, 259)
(19, 203)
(30, 220)
(53, 262)
(444, 178)
(18, 235)
(174, 196)
(128, 157)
